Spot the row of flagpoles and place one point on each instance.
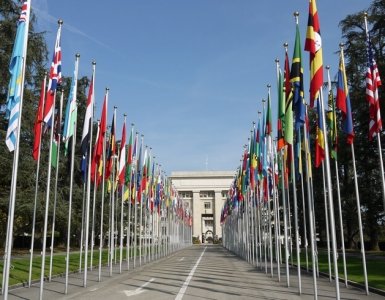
(127, 175)
(257, 216)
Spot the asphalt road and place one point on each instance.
(197, 272)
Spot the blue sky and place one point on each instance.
(190, 74)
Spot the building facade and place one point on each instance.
(204, 193)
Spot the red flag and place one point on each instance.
(38, 122)
(96, 161)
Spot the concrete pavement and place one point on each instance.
(197, 272)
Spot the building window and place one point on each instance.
(185, 195)
(224, 194)
(207, 205)
(206, 194)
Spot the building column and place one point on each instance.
(218, 203)
(197, 216)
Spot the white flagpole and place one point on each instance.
(121, 216)
(326, 222)
(296, 222)
(101, 237)
(47, 202)
(330, 197)
(112, 224)
(360, 222)
(56, 181)
(12, 196)
(77, 56)
(82, 228)
(310, 210)
(35, 199)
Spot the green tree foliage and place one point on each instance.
(367, 159)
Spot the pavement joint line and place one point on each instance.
(183, 289)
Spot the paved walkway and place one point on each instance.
(198, 272)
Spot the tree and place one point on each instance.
(368, 169)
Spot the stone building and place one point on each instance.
(204, 192)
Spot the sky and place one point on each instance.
(191, 75)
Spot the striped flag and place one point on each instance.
(343, 101)
(332, 121)
(122, 156)
(319, 140)
(373, 81)
(296, 79)
(16, 81)
(85, 142)
(313, 44)
(71, 111)
(111, 148)
(54, 80)
(98, 153)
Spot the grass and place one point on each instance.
(20, 266)
(375, 265)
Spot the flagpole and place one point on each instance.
(101, 238)
(47, 201)
(12, 196)
(326, 222)
(77, 56)
(135, 196)
(330, 197)
(112, 203)
(121, 212)
(332, 107)
(360, 221)
(56, 181)
(310, 209)
(36, 191)
(141, 211)
(378, 132)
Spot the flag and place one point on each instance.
(373, 81)
(38, 122)
(281, 113)
(16, 81)
(97, 160)
(54, 81)
(288, 106)
(332, 121)
(57, 133)
(313, 44)
(296, 79)
(129, 157)
(122, 156)
(85, 142)
(111, 149)
(319, 140)
(71, 110)
(343, 101)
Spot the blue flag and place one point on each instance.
(16, 81)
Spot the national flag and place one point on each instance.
(296, 79)
(332, 120)
(71, 110)
(288, 106)
(281, 113)
(313, 44)
(97, 160)
(15, 87)
(54, 81)
(85, 142)
(38, 122)
(111, 148)
(57, 134)
(343, 101)
(373, 81)
(268, 137)
(319, 140)
(129, 157)
(122, 157)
